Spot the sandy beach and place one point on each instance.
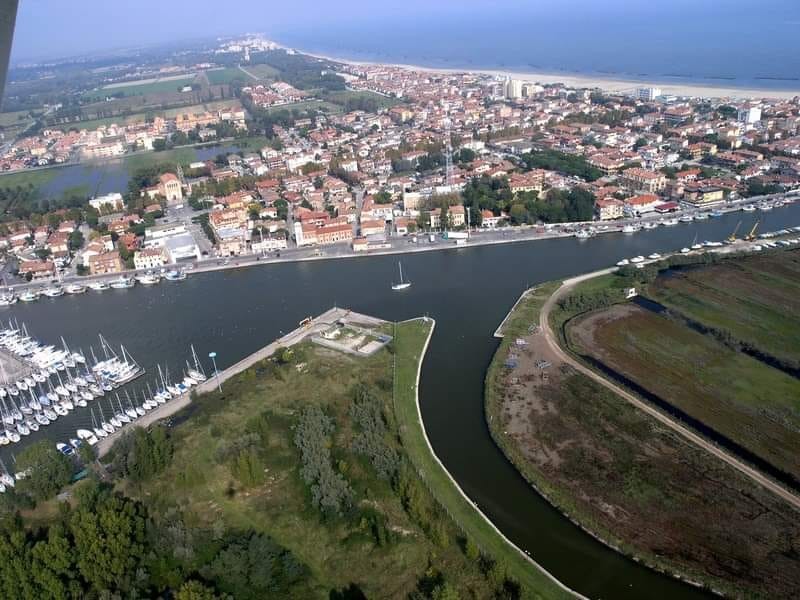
(585, 81)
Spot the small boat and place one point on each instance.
(8, 299)
(637, 259)
(623, 262)
(65, 449)
(29, 296)
(98, 286)
(148, 278)
(175, 275)
(584, 234)
(86, 436)
(686, 219)
(654, 256)
(715, 213)
(402, 284)
(123, 283)
(748, 208)
(701, 216)
(650, 225)
(53, 291)
(765, 206)
(685, 250)
(75, 288)
(669, 222)
(630, 229)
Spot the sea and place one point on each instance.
(724, 43)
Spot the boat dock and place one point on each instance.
(309, 328)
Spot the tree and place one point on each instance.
(194, 590)
(75, 240)
(49, 470)
(110, 542)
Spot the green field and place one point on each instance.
(262, 71)
(225, 76)
(184, 156)
(749, 402)
(408, 339)
(753, 300)
(140, 89)
(13, 119)
(34, 177)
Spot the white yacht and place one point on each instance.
(148, 278)
(98, 286)
(75, 288)
(53, 291)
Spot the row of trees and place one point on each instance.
(569, 164)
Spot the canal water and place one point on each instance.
(103, 177)
(467, 290)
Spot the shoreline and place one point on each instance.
(578, 80)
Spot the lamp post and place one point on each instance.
(213, 357)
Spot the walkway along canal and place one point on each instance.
(467, 290)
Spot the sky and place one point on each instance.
(61, 28)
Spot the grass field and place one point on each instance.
(756, 300)
(632, 481)
(408, 338)
(13, 119)
(749, 402)
(220, 76)
(183, 156)
(381, 544)
(134, 89)
(320, 105)
(263, 71)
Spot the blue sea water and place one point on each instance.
(728, 43)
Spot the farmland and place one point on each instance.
(220, 76)
(262, 71)
(753, 301)
(627, 477)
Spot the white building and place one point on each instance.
(150, 258)
(513, 88)
(648, 94)
(112, 200)
(749, 114)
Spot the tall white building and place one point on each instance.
(749, 114)
(648, 94)
(513, 88)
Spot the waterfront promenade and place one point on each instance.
(310, 329)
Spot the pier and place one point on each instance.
(312, 328)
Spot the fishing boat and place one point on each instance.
(402, 284)
(148, 278)
(175, 275)
(54, 291)
(75, 288)
(122, 283)
(98, 286)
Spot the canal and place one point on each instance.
(467, 290)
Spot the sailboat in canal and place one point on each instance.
(402, 284)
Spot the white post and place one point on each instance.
(213, 357)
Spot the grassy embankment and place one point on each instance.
(407, 341)
(631, 480)
(394, 539)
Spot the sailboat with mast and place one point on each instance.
(402, 284)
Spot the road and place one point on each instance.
(552, 341)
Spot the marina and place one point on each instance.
(467, 290)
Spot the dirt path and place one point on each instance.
(552, 342)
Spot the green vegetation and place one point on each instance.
(262, 71)
(407, 341)
(227, 75)
(357, 100)
(626, 477)
(749, 302)
(569, 164)
(139, 89)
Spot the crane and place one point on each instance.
(752, 235)
(732, 237)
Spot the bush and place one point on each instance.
(366, 411)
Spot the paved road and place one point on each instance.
(552, 340)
